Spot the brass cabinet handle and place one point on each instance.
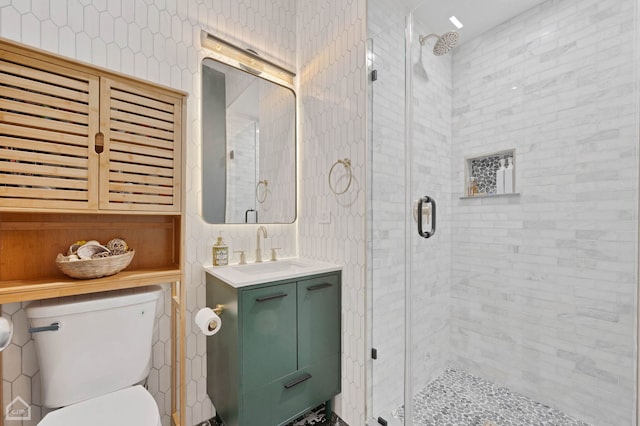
(319, 286)
(273, 296)
(296, 382)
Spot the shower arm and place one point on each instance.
(422, 39)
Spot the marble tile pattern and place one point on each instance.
(457, 398)
(544, 286)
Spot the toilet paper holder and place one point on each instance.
(219, 309)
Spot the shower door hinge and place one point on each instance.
(374, 353)
(382, 421)
(374, 75)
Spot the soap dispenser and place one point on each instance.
(220, 252)
(500, 177)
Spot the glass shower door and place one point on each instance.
(386, 231)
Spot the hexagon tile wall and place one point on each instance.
(159, 41)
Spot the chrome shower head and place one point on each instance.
(444, 44)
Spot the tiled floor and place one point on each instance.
(315, 417)
(456, 398)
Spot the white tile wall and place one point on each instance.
(159, 41)
(544, 285)
(333, 101)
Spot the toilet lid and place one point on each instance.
(132, 406)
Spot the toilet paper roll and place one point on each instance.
(208, 322)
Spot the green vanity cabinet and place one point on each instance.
(278, 352)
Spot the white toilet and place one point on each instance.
(93, 363)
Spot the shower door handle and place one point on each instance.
(421, 202)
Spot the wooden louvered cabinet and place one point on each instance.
(76, 140)
(86, 153)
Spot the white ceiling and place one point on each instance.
(477, 15)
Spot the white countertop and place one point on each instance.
(239, 276)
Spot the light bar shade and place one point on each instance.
(246, 59)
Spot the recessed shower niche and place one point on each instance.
(490, 175)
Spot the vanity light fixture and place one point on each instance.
(246, 59)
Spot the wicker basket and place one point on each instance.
(95, 268)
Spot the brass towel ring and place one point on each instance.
(347, 165)
(264, 184)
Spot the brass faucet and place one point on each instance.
(258, 249)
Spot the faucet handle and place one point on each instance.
(243, 257)
(274, 257)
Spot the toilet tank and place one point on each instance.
(103, 343)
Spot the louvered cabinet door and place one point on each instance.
(140, 167)
(48, 120)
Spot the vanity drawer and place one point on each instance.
(269, 334)
(296, 393)
(319, 311)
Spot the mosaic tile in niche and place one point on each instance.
(484, 170)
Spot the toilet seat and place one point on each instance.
(133, 406)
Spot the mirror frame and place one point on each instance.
(264, 75)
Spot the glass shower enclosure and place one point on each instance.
(521, 140)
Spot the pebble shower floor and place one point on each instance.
(456, 398)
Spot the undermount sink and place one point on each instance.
(256, 273)
(269, 267)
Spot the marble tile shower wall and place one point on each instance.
(158, 41)
(333, 101)
(544, 285)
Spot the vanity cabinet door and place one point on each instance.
(268, 334)
(319, 310)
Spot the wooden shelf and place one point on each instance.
(25, 290)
